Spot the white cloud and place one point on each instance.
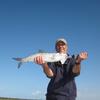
(38, 94)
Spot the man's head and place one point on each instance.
(61, 45)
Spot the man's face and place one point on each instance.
(61, 47)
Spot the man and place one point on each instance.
(62, 84)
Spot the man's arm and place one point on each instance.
(80, 57)
(77, 67)
(39, 60)
(47, 70)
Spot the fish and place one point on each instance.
(47, 57)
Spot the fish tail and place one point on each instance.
(17, 59)
(20, 61)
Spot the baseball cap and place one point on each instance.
(61, 40)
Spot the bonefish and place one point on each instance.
(47, 57)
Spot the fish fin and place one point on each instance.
(41, 51)
(19, 64)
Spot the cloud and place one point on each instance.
(38, 94)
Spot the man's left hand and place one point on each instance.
(83, 55)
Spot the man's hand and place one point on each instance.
(47, 70)
(39, 60)
(83, 55)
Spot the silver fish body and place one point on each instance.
(48, 57)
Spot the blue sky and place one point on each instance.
(29, 25)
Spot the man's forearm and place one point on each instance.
(76, 68)
(47, 70)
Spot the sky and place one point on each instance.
(29, 25)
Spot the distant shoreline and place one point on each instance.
(8, 98)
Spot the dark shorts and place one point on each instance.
(59, 97)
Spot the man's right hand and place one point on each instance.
(39, 60)
(47, 70)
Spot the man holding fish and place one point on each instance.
(62, 84)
